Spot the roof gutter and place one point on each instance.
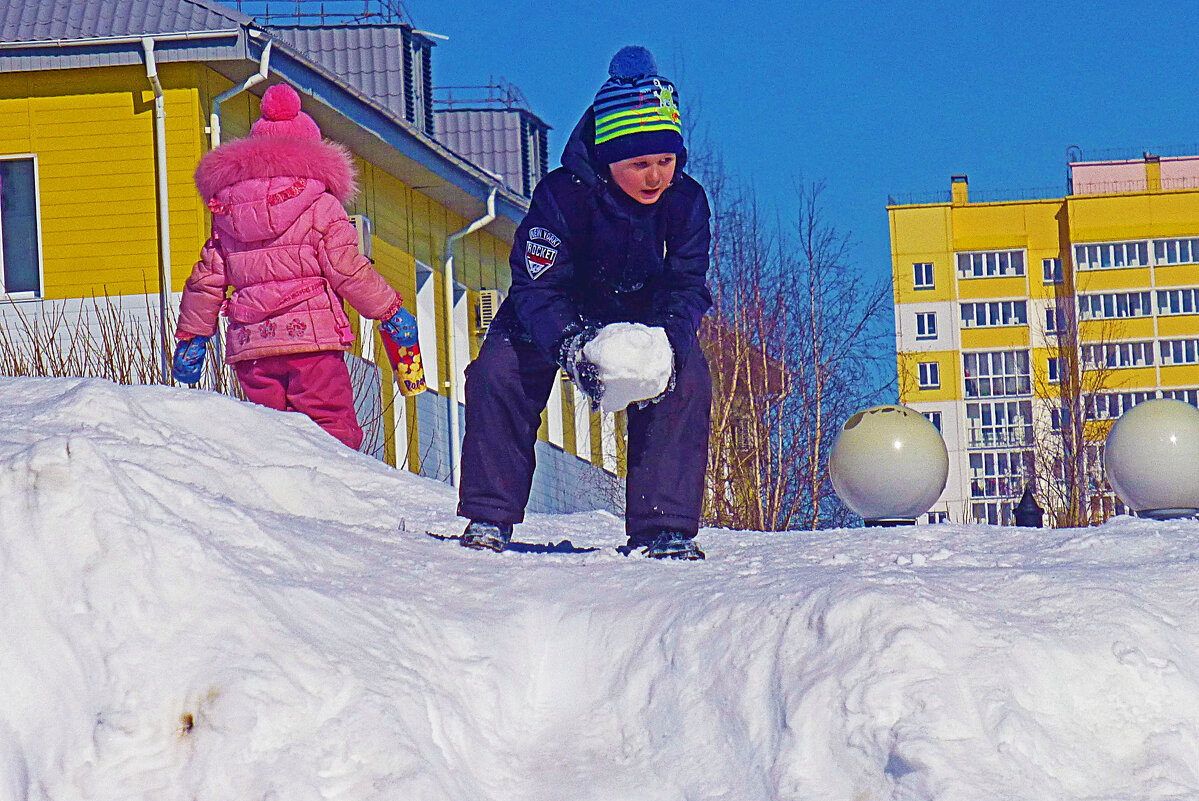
(452, 384)
(178, 36)
(214, 119)
(164, 215)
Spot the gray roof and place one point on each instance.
(40, 20)
(368, 57)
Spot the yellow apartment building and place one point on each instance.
(104, 114)
(1023, 328)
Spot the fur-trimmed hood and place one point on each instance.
(278, 157)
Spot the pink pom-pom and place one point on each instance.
(280, 102)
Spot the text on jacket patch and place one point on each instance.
(539, 258)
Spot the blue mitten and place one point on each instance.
(189, 360)
(401, 327)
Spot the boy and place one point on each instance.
(617, 234)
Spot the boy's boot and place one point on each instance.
(481, 535)
(673, 545)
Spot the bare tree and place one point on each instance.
(1070, 482)
(797, 342)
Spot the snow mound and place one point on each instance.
(202, 599)
(635, 363)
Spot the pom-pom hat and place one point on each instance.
(281, 115)
(636, 110)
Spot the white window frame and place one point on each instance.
(994, 313)
(1053, 369)
(1131, 254)
(1175, 301)
(934, 418)
(1051, 271)
(926, 325)
(923, 276)
(1178, 250)
(1004, 422)
(991, 264)
(1115, 305)
(1118, 355)
(929, 374)
(1178, 351)
(37, 211)
(1013, 377)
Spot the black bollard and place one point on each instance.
(1028, 513)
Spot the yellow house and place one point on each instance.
(1024, 327)
(103, 118)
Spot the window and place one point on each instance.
(19, 257)
(996, 374)
(937, 517)
(1054, 366)
(1176, 251)
(922, 275)
(1111, 255)
(930, 375)
(1110, 405)
(994, 313)
(1179, 351)
(998, 423)
(926, 325)
(1118, 355)
(1190, 396)
(934, 418)
(991, 264)
(1055, 321)
(1178, 301)
(998, 475)
(1051, 271)
(1114, 305)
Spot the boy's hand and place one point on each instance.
(584, 373)
(188, 363)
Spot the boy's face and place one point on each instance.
(645, 178)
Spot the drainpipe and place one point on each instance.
(164, 217)
(451, 369)
(214, 119)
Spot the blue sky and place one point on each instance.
(873, 98)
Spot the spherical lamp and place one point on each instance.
(889, 464)
(1152, 459)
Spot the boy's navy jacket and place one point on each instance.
(587, 254)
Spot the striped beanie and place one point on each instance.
(636, 110)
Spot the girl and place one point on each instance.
(282, 240)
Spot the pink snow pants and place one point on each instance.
(316, 384)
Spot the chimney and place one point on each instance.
(958, 187)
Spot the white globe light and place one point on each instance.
(889, 464)
(1152, 458)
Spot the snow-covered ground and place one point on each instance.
(202, 599)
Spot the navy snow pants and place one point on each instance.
(507, 387)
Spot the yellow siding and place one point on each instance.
(1130, 377)
(1180, 375)
(1111, 279)
(1002, 338)
(992, 288)
(93, 133)
(909, 376)
(1174, 326)
(1116, 330)
(1177, 274)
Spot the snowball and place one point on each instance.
(634, 362)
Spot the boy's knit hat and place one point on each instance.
(636, 110)
(281, 115)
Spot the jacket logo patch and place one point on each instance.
(539, 258)
(538, 233)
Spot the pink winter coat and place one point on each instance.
(282, 240)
